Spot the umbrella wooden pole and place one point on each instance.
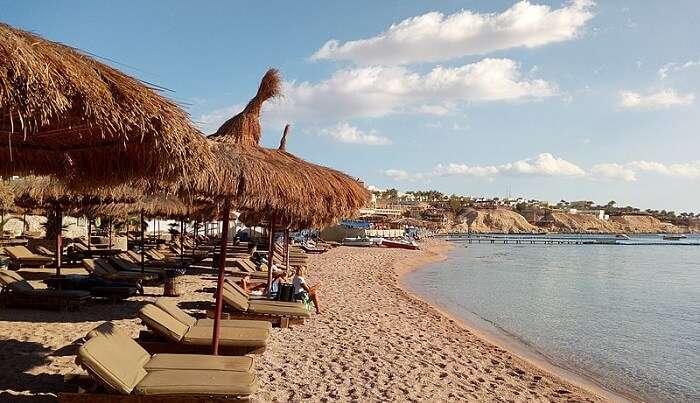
(286, 249)
(270, 255)
(143, 242)
(196, 234)
(109, 229)
(59, 240)
(182, 241)
(89, 233)
(220, 281)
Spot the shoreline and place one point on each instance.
(509, 343)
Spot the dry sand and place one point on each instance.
(373, 342)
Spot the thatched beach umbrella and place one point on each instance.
(271, 184)
(161, 206)
(64, 113)
(53, 196)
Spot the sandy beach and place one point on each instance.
(373, 342)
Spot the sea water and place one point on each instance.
(625, 316)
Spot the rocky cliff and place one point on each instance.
(494, 220)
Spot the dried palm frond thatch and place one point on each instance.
(244, 128)
(38, 192)
(162, 206)
(263, 183)
(64, 113)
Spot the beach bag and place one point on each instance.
(286, 293)
(306, 300)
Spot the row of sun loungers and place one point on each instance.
(119, 369)
(16, 291)
(169, 360)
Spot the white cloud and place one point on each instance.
(544, 164)
(373, 188)
(675, 67)
(434, 37)
(614, 171)
(684, 170)
(631, 170)
(401, 175)
(656, 100)
(437, 110)
(465, 170)
(345, 133)
(371, 92)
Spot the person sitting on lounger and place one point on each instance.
(303, 292)
(278, 277)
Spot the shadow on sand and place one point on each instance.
(18, 357)
(96, 311)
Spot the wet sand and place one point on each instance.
(373, 342)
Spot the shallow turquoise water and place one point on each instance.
(626, 316)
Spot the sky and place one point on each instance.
(544, 99)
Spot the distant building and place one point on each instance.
(599, 214)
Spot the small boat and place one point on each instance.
(400, 244)
(357, 242)
(313, 249)
(623, 236)
(674, 237)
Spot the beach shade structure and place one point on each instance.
(64, 113)
(55, 198)
(160, 206)
(271, 184)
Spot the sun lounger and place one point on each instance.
(21, 256)
(121, 370)
(16, 291)
(123, 265)
(169, 335)
(232, 286)
(97, 287)
(170, 306)
(242, 307)
(101, 268)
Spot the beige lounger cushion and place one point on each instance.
(16, 283)
(198, 361)
(235, 287)
(234, 299)
(229, 336)
(163, 323)
(23, 254)
(117, 369)
(170, 306)
(121, 341)
(240, 323)
(197, 382)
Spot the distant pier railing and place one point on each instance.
(562, 239)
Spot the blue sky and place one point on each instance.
(551, 100)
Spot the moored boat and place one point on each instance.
(357, 242)
(400, 244)
(674, 237)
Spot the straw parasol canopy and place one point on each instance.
(64, 113)
(36, 192)
(264, 182)
(164, 206)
